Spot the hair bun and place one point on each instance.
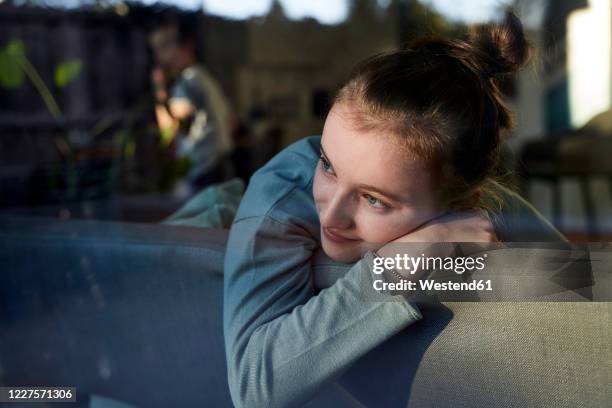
(504, 46)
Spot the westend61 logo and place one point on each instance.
(412, 264)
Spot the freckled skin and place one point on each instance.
(355, 159)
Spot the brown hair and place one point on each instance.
(441, 98)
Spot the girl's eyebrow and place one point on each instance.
(322, 151)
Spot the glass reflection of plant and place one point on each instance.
(16, 68)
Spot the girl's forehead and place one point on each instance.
(371, 158)
(374, 142)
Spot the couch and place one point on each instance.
(133, 312)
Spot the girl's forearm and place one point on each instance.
(282, 342)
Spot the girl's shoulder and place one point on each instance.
(282, 188)
(516, 220)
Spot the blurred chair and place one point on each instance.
(580, 155)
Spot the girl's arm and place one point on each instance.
(283, 342)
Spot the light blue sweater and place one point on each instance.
(284, 339)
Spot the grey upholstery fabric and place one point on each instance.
(493, 354)
(518, 355)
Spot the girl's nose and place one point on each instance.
(337, 213)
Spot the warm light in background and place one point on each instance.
(588, 61)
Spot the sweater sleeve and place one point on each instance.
(282, 341)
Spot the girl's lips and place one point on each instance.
(335, 237)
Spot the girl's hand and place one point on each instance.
(436, 238)
(458, 226)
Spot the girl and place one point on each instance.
(412, 137)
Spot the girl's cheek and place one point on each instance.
(322, 188)
(378, 229)
(316, 185)
(372, 227)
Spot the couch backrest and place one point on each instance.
(556, 352)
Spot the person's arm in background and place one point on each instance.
(283, 343)
(169, 109)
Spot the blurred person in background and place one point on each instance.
(193, 114)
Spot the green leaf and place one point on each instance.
(66, 72)
(16, 48)
(11, 74)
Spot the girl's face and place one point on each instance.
(367, 191)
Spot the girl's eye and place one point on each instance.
(375, 202)
(326, 165)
